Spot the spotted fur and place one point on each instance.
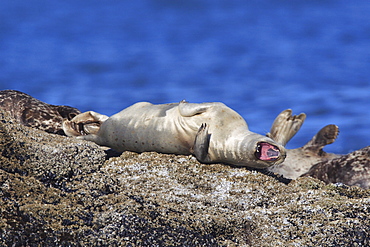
(32, 112)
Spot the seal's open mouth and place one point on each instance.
(267, 152)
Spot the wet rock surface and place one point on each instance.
(60, 191)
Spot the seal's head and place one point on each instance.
(262, 152)
(267, 152)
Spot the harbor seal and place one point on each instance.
(352, 169)
(212, 132)
(32, 112)
(300, 160)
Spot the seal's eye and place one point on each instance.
(267, 152)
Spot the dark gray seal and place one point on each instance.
(32, 112)
(352, 169)
(212, 132)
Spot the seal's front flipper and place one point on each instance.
(191, 109)
(325, 136)
(201, 144)
(286, 126)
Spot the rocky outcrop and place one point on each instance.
(60, 191)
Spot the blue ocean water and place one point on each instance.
(258, 56)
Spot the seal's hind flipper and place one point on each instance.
(325, 136)
(286, 126)
(84, 124)
(201, 144)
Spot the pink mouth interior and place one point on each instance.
(268, 152)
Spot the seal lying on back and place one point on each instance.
(211, 131)
(34, 113)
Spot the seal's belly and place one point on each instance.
(143, 134)
(149, 139)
